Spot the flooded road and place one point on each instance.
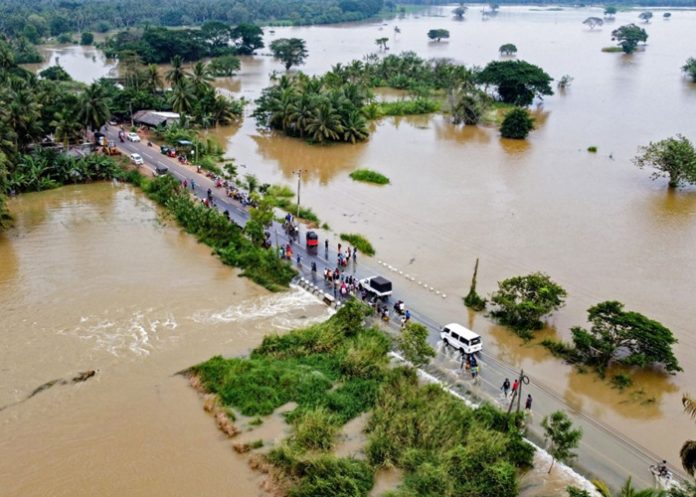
(90, 279)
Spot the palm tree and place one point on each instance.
(628, 490)
(93, 107)
(201, 77)
(21, 115)
(182, 97)
(325, 124)
(688, 450)
(301, 112)
(177, 72)
(225, 111)
(66, 127)
(154, 79)
(354, 127)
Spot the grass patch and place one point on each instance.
(612, 49)
(256, 444)
(225, 238)
(369, 176)
(375, 110)
(495, 112)
(359, 241)
(338, 369)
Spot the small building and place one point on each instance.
(154, 118)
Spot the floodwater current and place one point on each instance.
(594, 222)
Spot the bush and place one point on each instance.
(334, 476)
(315, 429)
(359, 241)
(592, 149)
(517, 124)
(369, 176)
(402, 108)
(520, 302)
(86, 38)
(621, 381)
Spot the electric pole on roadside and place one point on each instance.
(517, 394)
(299, 173)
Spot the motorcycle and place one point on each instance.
(400, 308)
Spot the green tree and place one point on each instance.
(182, 97)
(610, 11)
(562, 438)
(690, 68)
(460, 11)
(645, 16)
(687, 453)
(382, 42)
(593, 22)
(325, 123)
(517, 81)
(55, 73)
(507, 49)
(5, 216)
(629, 36)
(224, 66)
(438, 34)
(674, 158)
(67, 128)
(290, 51)
(248, 38)
(626, 337)
(177, 72)
(252, 183)
(260, 217)
(467, 106)
(200, 77)
(94, 108)
(473, 300)
(154, 79)
(522, 301)
(86, 38)
(628, 490)
(517, 124)
(413, 342)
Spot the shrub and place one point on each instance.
(621, 381)
(369, 176)
(517, 124)
(334, 476)
(359, 241)
(315, 429)
(592, 149)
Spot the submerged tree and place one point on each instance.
(507, 49)
(610, 11)
(593, 22)
(382, 42)
(565, 81)
(562, 437)
(645, 16)
(518, 82)
(290, 51)
(438, 34)
(517, 124)
(460, 11)
(674, 158)
(629, 36)
(473, 300)
(690, 68)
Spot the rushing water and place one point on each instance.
(90, 279)
(594, 222)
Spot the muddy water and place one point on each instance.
(594, 222)
(84, 63)
(90, 279)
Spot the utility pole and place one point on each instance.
(299, 173)
(517, 395)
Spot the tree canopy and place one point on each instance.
(674, 158)
(413, 342)
(690, 68)
(517, 82)
(507, 49)
(561, 436)
(438, 34)
(645, 16)
(593, 22)
(610, 11)
(629, 36)
(626, 337)
(460, 11)
(517, 124)
(290, 51)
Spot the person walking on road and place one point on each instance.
(528, 403)
(326, 245)
(355, 255)
(506, 387)
(299, 259)
(193, 186)
(515, 385)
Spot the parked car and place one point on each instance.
(379, 286)
(136, 159)
(462, 339)
(133, 137)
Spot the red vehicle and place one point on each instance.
(312, 239)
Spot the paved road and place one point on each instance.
(603, 453)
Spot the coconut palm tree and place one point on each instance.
(21, 115)
(67, 128)
(628, 490)
(154, 79)
(325, 124)
(177, 72)
(302, 112)
(201, 76)
(354, 127)
(94, 108)
(182, 97)
(688, 450)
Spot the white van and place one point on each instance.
(462, 339)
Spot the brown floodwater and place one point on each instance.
(594, 222)
(91, 279)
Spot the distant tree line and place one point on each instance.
(35, 19)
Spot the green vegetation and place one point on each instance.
(339, 369)
(418, 105)
(467, 106)
(438, 34)
(645, 16)
(360, 242)
(460, 11)
(290, 51)
(619, 336)
(55, 73)
(688, 449)
(517, 124)
(673, 158)
(690, 68)
(621, 381)
(224, 66)
(413, 342)
(558, 430)
(507, 49)
(368, 176)
(593, 22)
(612, 49)
(86, 38)
(225, 238)
(592, 149)
(628, 37)
(522, 301)
(610, 11)
(473, 300)
(518, 82)
(37, 20)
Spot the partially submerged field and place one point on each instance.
(337, 370)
